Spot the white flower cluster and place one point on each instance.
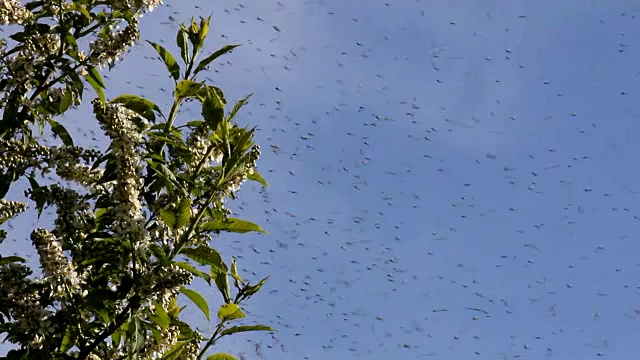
(58, 271)
(30, 58)
(32, 317)
(132, 5)
(116, 121)
(9, 209)
(191, 351)
(72, 212)
(168, 279)
(57, 6)
(66, 161)
(109, 49)
(11, 12)
(16, 154)
(156, 351)
(20, 300)
(41, 46)
(199, 145)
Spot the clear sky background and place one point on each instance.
(450, 179)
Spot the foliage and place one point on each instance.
(133, 223)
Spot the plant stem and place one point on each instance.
(211, 340)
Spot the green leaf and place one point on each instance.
(81, 10)
(195, 123)
(168, 216)
(194, 271)
(158, 252)
(116, 337)
(166, 174)
(173, 310)
(95, 80)
(239, 148)
(234, 273)
(231, 225)
(39, 195)
(67, 99)
(197, 299)
(221, 356)
(206, 61)
(161, 317)
(255, 176)
(11, 259)
(230, 312)
(139, 105)
(222, 283)
(183, 45)
(175, 352)
(169, 60)
(213, 108)
(245, 328)
(60, 131)
(242, 102)
(202, 34)
(183, 213)
(68, 341)
(252, 289)
(187, 88)
(136, 334)
(205, 256)
(77, 85)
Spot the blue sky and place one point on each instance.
(455, 179)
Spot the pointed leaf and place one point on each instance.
(95, 80)
(169, 60)
(60, 131)
(205, 256)
(245, 328)
(136, 334)
(194, 271)
(206, 61)
(183, 44)
(161, 317)
(222, 283)
(230, 312)
(242, 102)
(139, 105)
(213, 108)
(116, 337)
(183, 213)
(197, 299)
(168, 216)
(39, 195)
(231, 225)
(174, 309)
(221, 356)
(255, 176)
(175, 352)
(11, 259)
(67, 100)
(202, 34)
(158, 251)
(187, 88)
(234, 273)
(252, 289)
